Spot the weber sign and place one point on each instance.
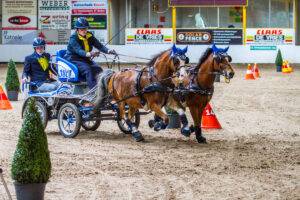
(149, 36)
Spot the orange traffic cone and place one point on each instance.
(209, 119)
(4, 102)
(256, 72)
(288, 66)
(249, 74)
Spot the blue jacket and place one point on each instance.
(37, 67)
(78, 46)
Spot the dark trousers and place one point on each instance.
(89, 71)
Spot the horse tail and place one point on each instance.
(102, 87)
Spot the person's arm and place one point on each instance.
(98, 45)
(27, 68)
(76, 48)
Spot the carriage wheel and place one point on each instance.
(42, 110)
(91, 125)
(69, 120)
(124, 127)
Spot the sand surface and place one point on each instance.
(255, 156)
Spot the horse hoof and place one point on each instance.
(137, 136)
(151, 123)
(201, 140)
(157, 127)
(186, 131)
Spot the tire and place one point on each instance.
(69, 120)
(42, 110)
(123, 126)
(91, 125)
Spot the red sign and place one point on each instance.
(89, 12)
(19, 20)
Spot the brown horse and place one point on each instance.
(147, 88)
(196, 89)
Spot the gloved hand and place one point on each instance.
(112, 51)
(25, 80)
(95, 53)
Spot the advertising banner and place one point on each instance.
(18, 36)
(270, 36)
(149, 36)
(55, 36)
(19, 15)
(209, 36)
(95, 21)
(208, 2)
(91, 7)
(54, 14)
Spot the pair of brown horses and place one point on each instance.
(152, 87)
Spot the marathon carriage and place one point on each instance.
(66, 104)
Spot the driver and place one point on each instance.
(79, 51)
(37, 68)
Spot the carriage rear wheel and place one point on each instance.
(42, 110)
(91, 125)
(124, 127)
(69, 120)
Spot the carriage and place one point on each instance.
(66, 103)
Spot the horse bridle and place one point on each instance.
(217, 58)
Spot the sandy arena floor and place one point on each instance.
(255, 156)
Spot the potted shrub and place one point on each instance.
(174, 119)
(278, 61)
(31, 166)
(12, 83)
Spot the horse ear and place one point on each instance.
(226, 49)
(214, 48)
(174, 49)
(185, 50)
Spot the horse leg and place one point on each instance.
(136, 134)
(162, 124)
(152, 122)
(197, 117)
(185, 129)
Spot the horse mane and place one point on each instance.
(204, 56)
(153, 60)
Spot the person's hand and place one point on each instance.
(25, 80)
(112, 51)
(95, 54)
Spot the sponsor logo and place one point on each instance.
(19, 20)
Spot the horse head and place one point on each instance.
(179, 57)
(221, 61)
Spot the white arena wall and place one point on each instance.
(239, 53)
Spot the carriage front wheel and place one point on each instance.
(124, 127)
(69, 120)
(42, 110)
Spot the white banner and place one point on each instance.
(19, 15)
(55, 36)
(270, 36)
(18, 36)
(149, 36)
(54, 14)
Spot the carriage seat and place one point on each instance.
(66, 71)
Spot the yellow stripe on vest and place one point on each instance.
(85, 41)
(44, 62)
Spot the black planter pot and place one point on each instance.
(278, 68)
(12, 95)
(174, 121)
(217, 78)
(33, 191)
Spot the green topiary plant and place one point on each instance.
(31, 161)
(279, 59)
(12, 82)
